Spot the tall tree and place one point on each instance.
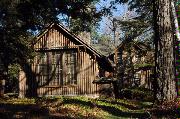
(161, 19)
(164, 50)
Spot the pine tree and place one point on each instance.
(164, 51)
(160, 16)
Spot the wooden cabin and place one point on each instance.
(64, 64)
(133, 63)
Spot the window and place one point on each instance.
(69, 66)
(41, 68)
(57, 68)
(55, 65)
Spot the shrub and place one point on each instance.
(138, 94)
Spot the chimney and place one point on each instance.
(85, 36)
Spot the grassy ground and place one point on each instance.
(79, 108)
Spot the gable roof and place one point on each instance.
(138, 44)
(73, 36)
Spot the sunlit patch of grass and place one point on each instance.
(76, 110)
(116, 103)
(17, 101)
(123, 102)
(111, 107)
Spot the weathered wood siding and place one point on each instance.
(53, 39)
(141, 77)
(57, 55)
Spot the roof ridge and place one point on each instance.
(90, 46)
(70, 33)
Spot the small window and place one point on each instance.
(69, 66)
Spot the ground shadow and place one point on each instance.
(20, 111)
(110, 109)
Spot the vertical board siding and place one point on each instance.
(86, 67)
(53, 39)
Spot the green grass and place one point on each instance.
(24, 101)
(73, 108)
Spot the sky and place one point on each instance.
(106, 22)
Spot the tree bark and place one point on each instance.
(164, 48)
(31, 82)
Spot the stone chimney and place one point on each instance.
(85, 36)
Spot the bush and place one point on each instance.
(138, 94)
(12, 79)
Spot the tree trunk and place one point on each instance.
(2, 84)
(31, 82)
(164, 48)
(118, 86)
(3, 77)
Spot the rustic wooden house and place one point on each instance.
(64, 64)
(133, 63)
